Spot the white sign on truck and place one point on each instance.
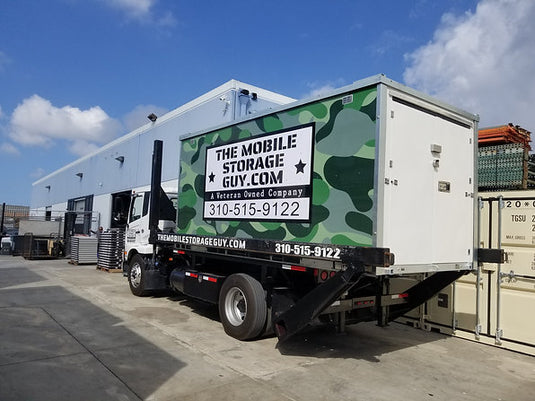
(262, 178)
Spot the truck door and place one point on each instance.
(137, 233)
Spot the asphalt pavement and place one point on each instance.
(72, 332)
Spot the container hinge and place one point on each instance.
(509, 276)
(477, 330)
(499, 335)
(491, 255)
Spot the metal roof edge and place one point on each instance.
(265, 94)
(433, 100)
(362, 83)
(375, 79)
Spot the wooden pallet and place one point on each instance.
(107, 269)
(75, 263)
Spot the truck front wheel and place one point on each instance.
(136, 276)
(242, 307)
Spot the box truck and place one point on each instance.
(307, 212)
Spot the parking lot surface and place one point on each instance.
(76, 333)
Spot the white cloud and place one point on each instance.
(166, 20)
(37, 173)
(138, 117)
(4, 60)
(387, 41)
(134, 8)
(80, 147)
(36, 122)
(143, 11)
(318, 89)
(9, 149)
(317, 92)
(482, 61)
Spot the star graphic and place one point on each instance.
(300, 167)
(211, 176)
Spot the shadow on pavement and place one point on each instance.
(364, 341)
(55, 345)
(13, 276)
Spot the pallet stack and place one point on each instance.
(503, 159)
(110, 250)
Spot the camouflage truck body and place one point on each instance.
(312, 179)
(302, 175)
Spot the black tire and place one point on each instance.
(242, 307)
(136, 276)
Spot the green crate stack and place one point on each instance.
(487, 167)
(531, 171)
(503, 167)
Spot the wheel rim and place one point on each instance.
(135, 275)
(235, 306)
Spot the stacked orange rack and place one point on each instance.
(504, 134)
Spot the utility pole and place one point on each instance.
(2, 221)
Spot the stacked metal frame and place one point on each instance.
(83, 250)
(110, 249)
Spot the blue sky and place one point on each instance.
(75, 74)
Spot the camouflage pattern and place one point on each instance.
(342, 210)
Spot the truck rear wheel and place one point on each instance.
(242, 307)
(136, 276)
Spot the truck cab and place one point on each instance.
(137, 229)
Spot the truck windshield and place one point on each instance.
(137, 208)
(140, 205)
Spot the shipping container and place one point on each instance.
(494, 304)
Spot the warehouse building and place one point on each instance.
(95, 189)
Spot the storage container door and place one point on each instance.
(428, 185)
(511, 286)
